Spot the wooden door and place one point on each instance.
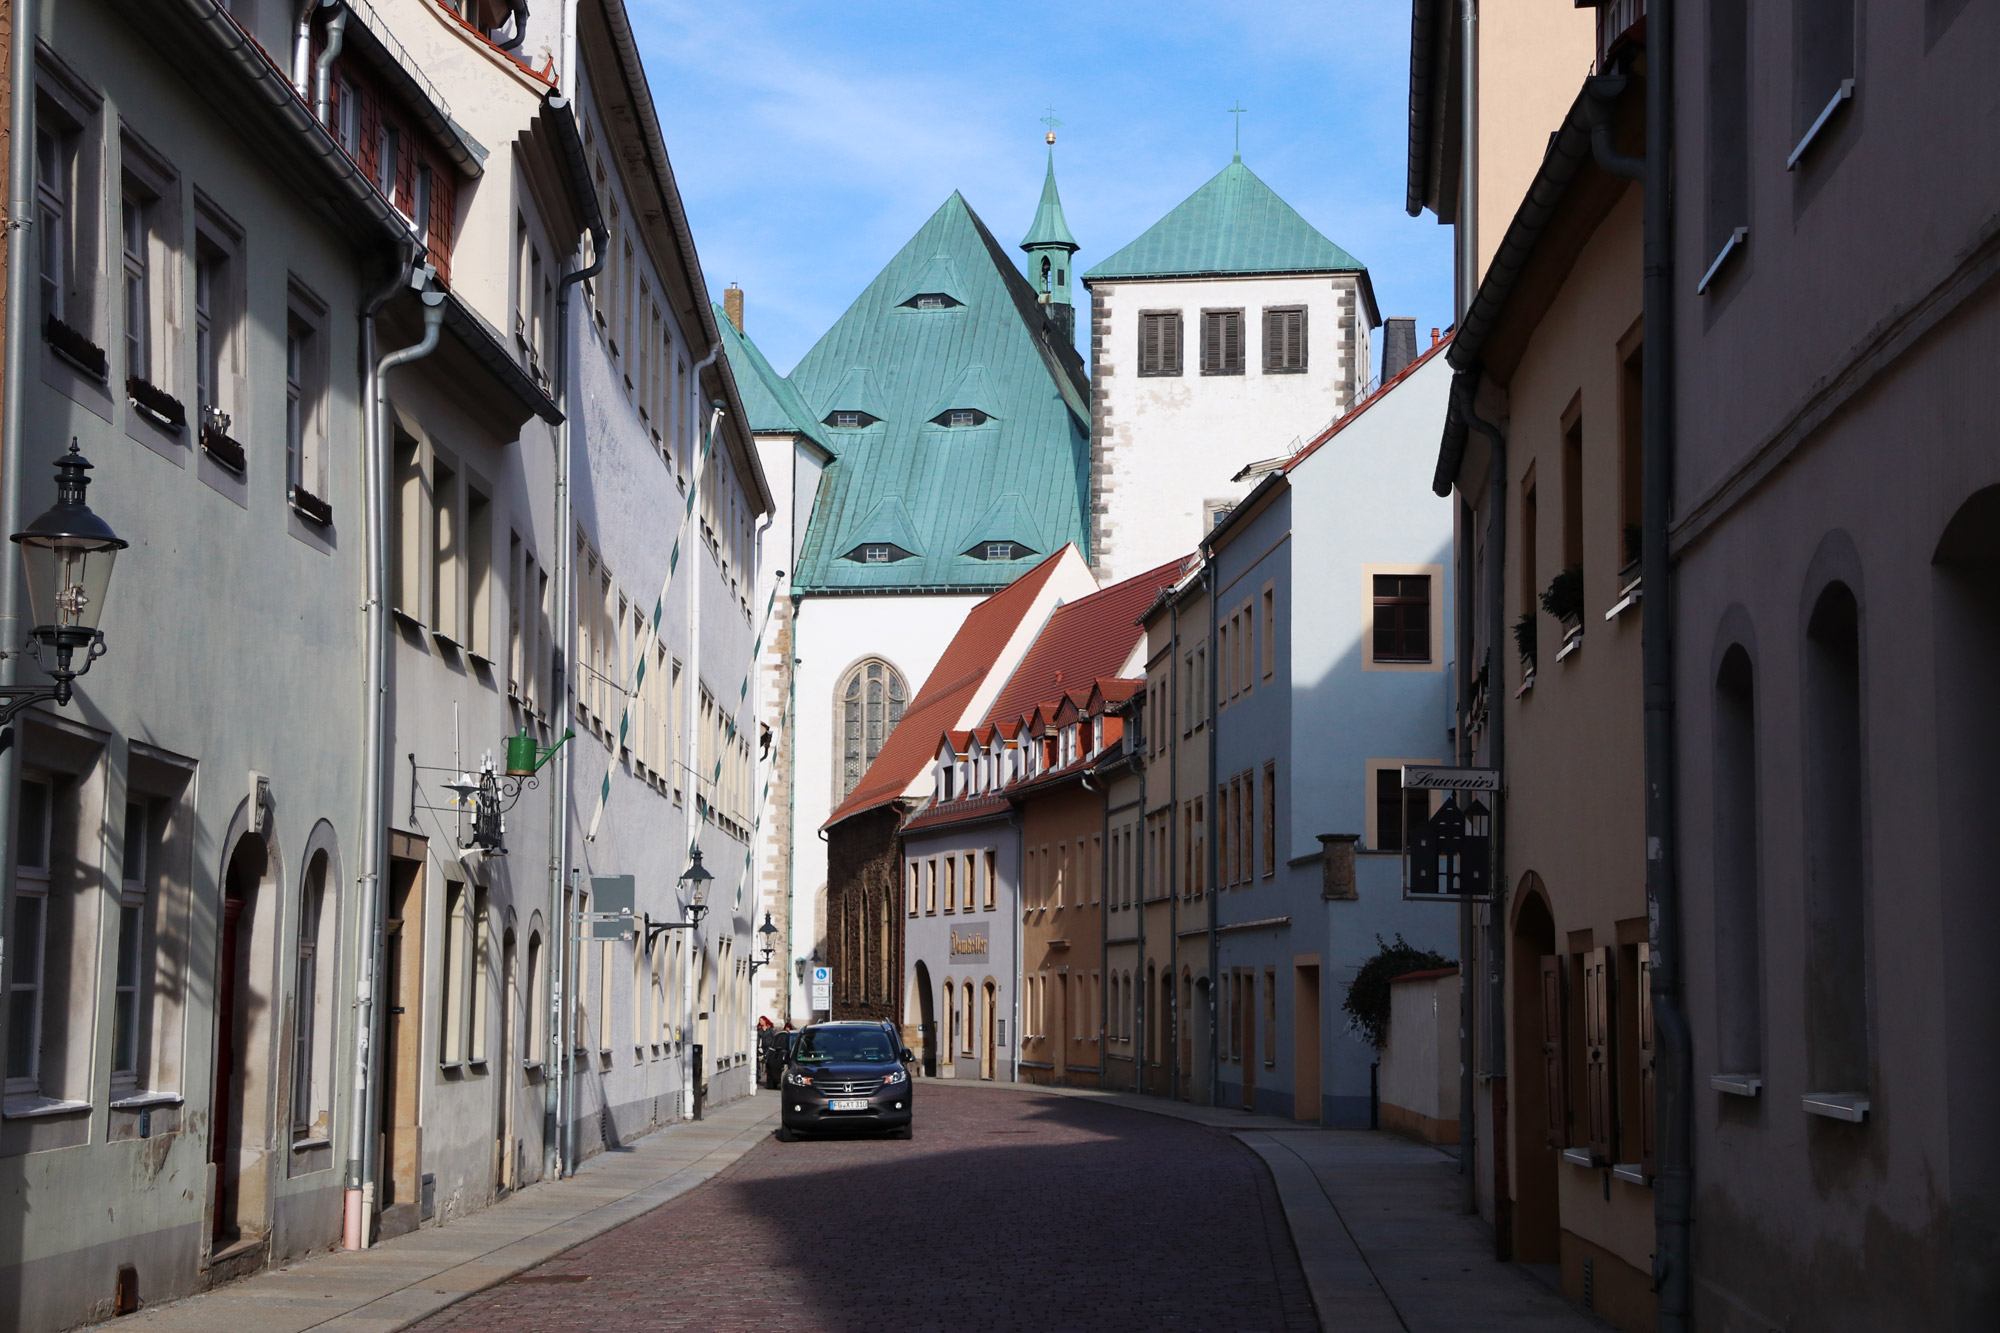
(1554, 1075)
(222, 1137)
(1246, 1026)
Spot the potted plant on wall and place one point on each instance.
(1563, 599)
(1524, 642)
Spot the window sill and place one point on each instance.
(1844, 93)
(1237, 371)
(1632, 1173)
(1852, 1107)
(1527, 683)
(1738, 238)
(404, 616)
(1737, 1085)
(142, 1101)
(308, 1145)
(1628, 597)
(28, 1106)
(477, 1066)
(1570, 646)
(531, 1067)
(1578, 1157)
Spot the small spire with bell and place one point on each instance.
(1050, 245)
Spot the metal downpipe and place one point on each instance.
(1496, 751)
(20, 230)
(1209, 852)
(559, 787)
(336, 37)
(1673, 1184)
(360, 1170)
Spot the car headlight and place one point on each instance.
(894, 1077)
(798, 1080)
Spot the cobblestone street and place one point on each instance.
(1006, 1211)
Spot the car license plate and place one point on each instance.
(848, 1104)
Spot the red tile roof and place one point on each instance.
(1366, 403)
(1086, 639)
(941, 702)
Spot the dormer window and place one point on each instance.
(932, 301)
(1000, 551)
(878, 553)
(960, 416)
(850, 420)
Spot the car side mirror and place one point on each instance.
(908, 1057)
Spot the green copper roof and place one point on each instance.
(1050, 227)
(1233, 224)
(772, 403)
(902, 480)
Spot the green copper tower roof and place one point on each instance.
(770, 400)
(1050, 227)
(1233, 224)
(959, 426)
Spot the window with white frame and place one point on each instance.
(129, 979)
(27, 934)
(67, 166)
(136, 242)
(312, 1008)
(305, 404)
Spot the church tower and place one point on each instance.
(1050, 246)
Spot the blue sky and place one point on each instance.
(812, 139)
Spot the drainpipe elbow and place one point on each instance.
(1604, 91)
(336, 34)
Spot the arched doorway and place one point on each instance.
(926, 1020)
(989, 1005)
(1967, 601)
(1540, 1096)
(240, 1108)
(510, 1063)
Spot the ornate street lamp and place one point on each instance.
(66, 555)
(769, 933)
(694, 901)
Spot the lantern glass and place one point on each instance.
(67, 578)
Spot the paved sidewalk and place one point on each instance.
(401, 1281)
(1386, 1246)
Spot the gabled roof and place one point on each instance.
(1348, 417)
(1084, 640)
(769, 400)
(949, 690)
(898, 364)
(1233, 224)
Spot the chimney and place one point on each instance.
(1399, 345)
(1434, 335)
(732, 305)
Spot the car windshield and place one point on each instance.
(819, 1045)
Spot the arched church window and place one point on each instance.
(871, 704)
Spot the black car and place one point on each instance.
(847, 1076)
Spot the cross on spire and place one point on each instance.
(1051, 121)
(1237, 111)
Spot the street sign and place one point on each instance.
(822, 989)
(1437, 777)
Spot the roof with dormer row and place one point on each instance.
(936, 491)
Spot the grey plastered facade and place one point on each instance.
(233, 647)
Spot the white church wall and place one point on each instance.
(831, 635)
(1165, 446)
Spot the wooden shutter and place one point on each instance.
(1232, 340)
(1170, 344)
(1599, 1070)
(1150, 327)
(406, 174)
(444, 214)
(1555, 1084)
(1211, 341)
(371, 132)
(1274, 339)
(1648, 1107)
